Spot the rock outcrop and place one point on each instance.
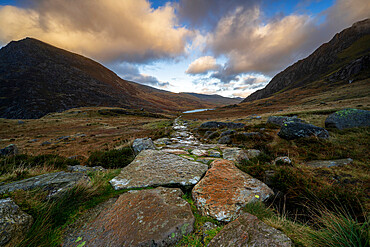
(293, 130)
(329, 163)
(14, 223)
(153, 168)
(280, 120)
(155, 217)
(11, 149)
(219, 125)
(248, 230)
(141, 144)
(348, 118)
(55, 183)
(225, 190)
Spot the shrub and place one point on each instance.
(112, 158)
(339, 229)
(14, 163)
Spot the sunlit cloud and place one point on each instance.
(106, 30)
(202, 65)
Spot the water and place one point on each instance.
(197, 110)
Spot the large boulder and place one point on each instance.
(141, 144)
(156, 168)
(219, 125)
(225, 190)
(56, 183)
(14, 223)
(11, 149)
(348, 118)
(248, 230)
(280, 120)
(155, 217)
(293, 130)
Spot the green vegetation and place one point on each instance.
(331, 228)
(52, 217)
(340, 229)
(200, 236)
(112, 158)
(22, 166)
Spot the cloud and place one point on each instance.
(252, 43)
(107, 30)
(130, 72)
(202, 65)
(241, 86)
(206, 13)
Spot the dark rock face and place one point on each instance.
(156, 168)
(248, 230)
(293, 130)
(56, 183)
(155, 217)
(227, 132)
(225, 140)
(12, 149)
(219, 125)
(353, 68)
(14, 223)
(280, 120)
(141, 144)
(348, 118)
(318, 63)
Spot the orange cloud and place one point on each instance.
(202, 65)
(107, 30)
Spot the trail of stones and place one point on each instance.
(160, 216)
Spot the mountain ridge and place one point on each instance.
(323, 61)
(37, 78)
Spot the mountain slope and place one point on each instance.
(342, 58)
(37, 78)
(216, 99)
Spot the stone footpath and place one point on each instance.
(160, 216)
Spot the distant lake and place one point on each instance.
(197, 110)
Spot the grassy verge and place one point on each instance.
(51, 217)
(200, 236)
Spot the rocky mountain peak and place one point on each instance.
(329, 57)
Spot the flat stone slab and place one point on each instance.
(153, 168)
(235, 154)
(175, 151)
(248, 230)
(199, 152)
(56, 183)
(329, 163)
(225, 190)
(14, 223)
(155, 217)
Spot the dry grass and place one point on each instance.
(98, 132)
(319, 96)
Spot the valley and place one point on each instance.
(90, 159)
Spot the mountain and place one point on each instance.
(216, 99)
(37, 78)
(346, 57)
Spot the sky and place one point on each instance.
(226, 47)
